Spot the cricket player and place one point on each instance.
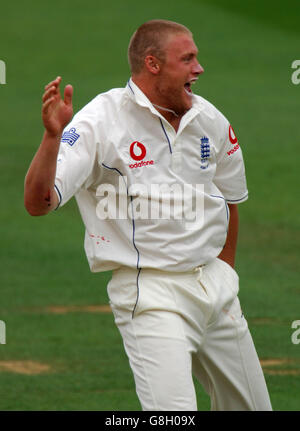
(157, 173)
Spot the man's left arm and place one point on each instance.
(229, 250)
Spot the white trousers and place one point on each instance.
(175, 325)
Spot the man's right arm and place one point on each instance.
(39, 195)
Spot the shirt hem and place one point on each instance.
(58, 195)
(237, 201)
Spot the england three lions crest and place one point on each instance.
(205, 152)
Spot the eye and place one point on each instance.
(188, 58)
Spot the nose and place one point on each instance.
(198, 69)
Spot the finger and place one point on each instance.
(68, 94)
(49, 93)
(46, 105)
(55, 83)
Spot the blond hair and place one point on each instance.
(150, 39)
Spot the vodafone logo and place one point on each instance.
(138, 152)
(141, 151)
(233, 139)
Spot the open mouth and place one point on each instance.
(188, 85)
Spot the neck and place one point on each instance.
(169, 114)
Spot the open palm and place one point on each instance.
(56, 112)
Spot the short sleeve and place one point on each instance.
(230, 175)
(76, 157)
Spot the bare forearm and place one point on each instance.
(40, 197)
(229, 251)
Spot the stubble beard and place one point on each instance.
(173, 99)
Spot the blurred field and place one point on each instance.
(75, 360)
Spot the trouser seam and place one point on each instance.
(144, 368)
(186, 343)
(245, 370)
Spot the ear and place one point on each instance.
(152, 64)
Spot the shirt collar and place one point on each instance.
(139, 97)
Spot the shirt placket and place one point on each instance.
(175, 147)
(177, 155)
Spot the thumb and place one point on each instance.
(68, 93)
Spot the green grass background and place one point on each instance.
(246, 49)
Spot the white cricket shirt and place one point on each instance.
(150, 197)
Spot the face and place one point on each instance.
(177, 74)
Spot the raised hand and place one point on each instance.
(56, 112)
